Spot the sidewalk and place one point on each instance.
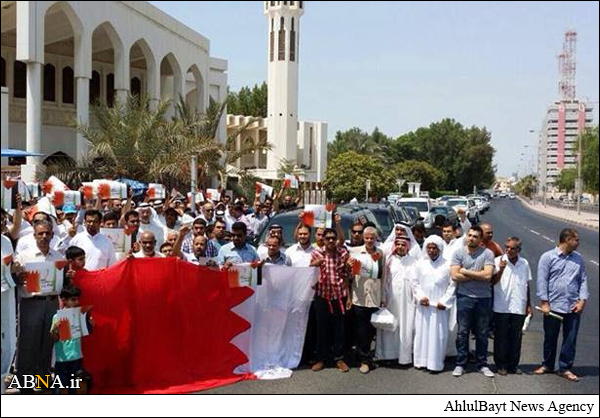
(588, 220)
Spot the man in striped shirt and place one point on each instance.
(330, 301)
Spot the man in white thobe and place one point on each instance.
(434, 291)
(400, 302)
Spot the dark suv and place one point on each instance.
(289, 221)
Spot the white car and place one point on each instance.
(468, 205)
(512, 196)
(422, 204)
(482, 204)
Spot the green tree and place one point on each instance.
(527, 186)
(347, 175)
(464, 156)
(566, 180)
(250, 101)
(375, 144)
(419, 171)
(590, 166)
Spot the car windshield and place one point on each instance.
(421, 206)
(384, 220)
(461, 202)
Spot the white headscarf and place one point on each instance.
(438, 241)
(409, 234)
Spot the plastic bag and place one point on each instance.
(384, 320)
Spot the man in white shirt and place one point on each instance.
(9, 314)
(34, 350)
(512, 302)
(147, 224)
(99, 250)
(148, 244)
(27, 241)
(300, 253)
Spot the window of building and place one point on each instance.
(95, 88)
(272, 41)
(20, 80)
(136, 87)
(282, 40)
(248, 161)
(110, 90)
(293, 41)
(68, 86)
(49, 83)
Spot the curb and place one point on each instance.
(558, 218)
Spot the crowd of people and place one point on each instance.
(444, 286)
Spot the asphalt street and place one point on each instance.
(539, 234)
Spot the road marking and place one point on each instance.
(547, 238)
(535, 232)
(595, 263)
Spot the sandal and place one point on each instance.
(541, 370)
(569, 375)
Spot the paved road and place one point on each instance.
(539, 234)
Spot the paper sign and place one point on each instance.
(157, 191)
(291, 182)
(67, 198)
(318, 216)
(368, 266)
(72, 324)
(35, 191)
(264, 191)
(7, 280)
(53, 184)
(44, 278)
(106, 189)
(243, 275)
(213, 194)
(199, 198)
(120, 238)
(8, 197)
(208, 261)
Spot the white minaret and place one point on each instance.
(284, 35)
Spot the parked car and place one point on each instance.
(414, 214)
(289, 221)
(468, 205)
(444, 199)
(448, 212)
(387, 216)
(512, 196)
(482, 204)
(421, 203)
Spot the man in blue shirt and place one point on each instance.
(238, 251)
(562, 289)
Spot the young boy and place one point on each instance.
(76, 258)
(69, 357)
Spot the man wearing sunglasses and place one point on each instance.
(512, 303)
(357, 237)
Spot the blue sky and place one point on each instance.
(403, 65)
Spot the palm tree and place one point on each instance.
(136, 141)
